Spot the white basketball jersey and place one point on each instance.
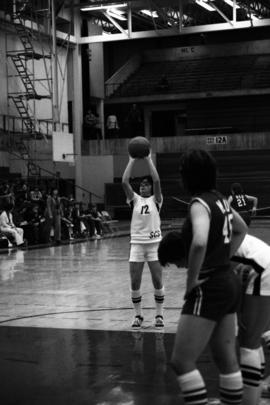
(145, 221)
(255, 252)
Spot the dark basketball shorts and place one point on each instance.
(218, 296)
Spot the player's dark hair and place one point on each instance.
(148, 178)
(172, 248)
(198, 171)
(236, 188)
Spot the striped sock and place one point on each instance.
(159, 300)
(262, 358)
(250, 362)
(231, 388)
(193, 388)
(136, 298)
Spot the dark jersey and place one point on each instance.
(240, 202)
(218, 246)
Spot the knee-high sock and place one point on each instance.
(262, 357)
(136, 298)
(231, 388)
(159, 300)
(193, 388)
(250, 362)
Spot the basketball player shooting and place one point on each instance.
(145, 238)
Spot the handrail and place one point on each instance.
(54, 175)
(13, 123)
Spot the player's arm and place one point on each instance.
(239, 230)
(254, 201)
(230, 199)
(126, 177)
(155, 177)
(200, 230)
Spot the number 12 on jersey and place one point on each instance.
(145, 209)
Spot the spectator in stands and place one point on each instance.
(163, 84)
(112, 126)
(53, 213)
(35, 195)
(108, 224)
(67, 221)
(92, 125)
(33, 224)
(134, 121)
(94, 221)
(80, 229)
(8, 228)
(245, 205)
(22, 192)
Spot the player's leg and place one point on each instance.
(136, 270)
(157, 280)
(188, 346)
(255, 316)
(136, 263)
(223, 346)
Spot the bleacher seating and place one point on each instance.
(199, 75)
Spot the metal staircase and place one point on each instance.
(20, 59)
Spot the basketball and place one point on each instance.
(139, 147)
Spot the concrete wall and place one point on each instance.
(96, 171)
(209, 51)
(248, 141)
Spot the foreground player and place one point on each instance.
(145, 238)
(255, 313)
(210, 235)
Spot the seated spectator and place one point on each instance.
(8, 228)
(67, 221)
(33, 225)
(80, 229)
(96, 221)
(107, 222)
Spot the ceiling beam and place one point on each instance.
(172, 32)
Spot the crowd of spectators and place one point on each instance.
(30, 215)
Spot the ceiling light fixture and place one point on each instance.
(117, 16)
(205, 5)
(103, 7)
(149, 13)
(230, 3)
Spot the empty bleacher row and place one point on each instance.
(199, 75)
(250, 168)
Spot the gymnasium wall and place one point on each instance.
(208, 51)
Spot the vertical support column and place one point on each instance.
(56, 118)
(77, 104)
(147, 123)
(180, 15)
(100, 111)
(234, 11)
(129, 20)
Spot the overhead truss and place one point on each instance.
(133, 19)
